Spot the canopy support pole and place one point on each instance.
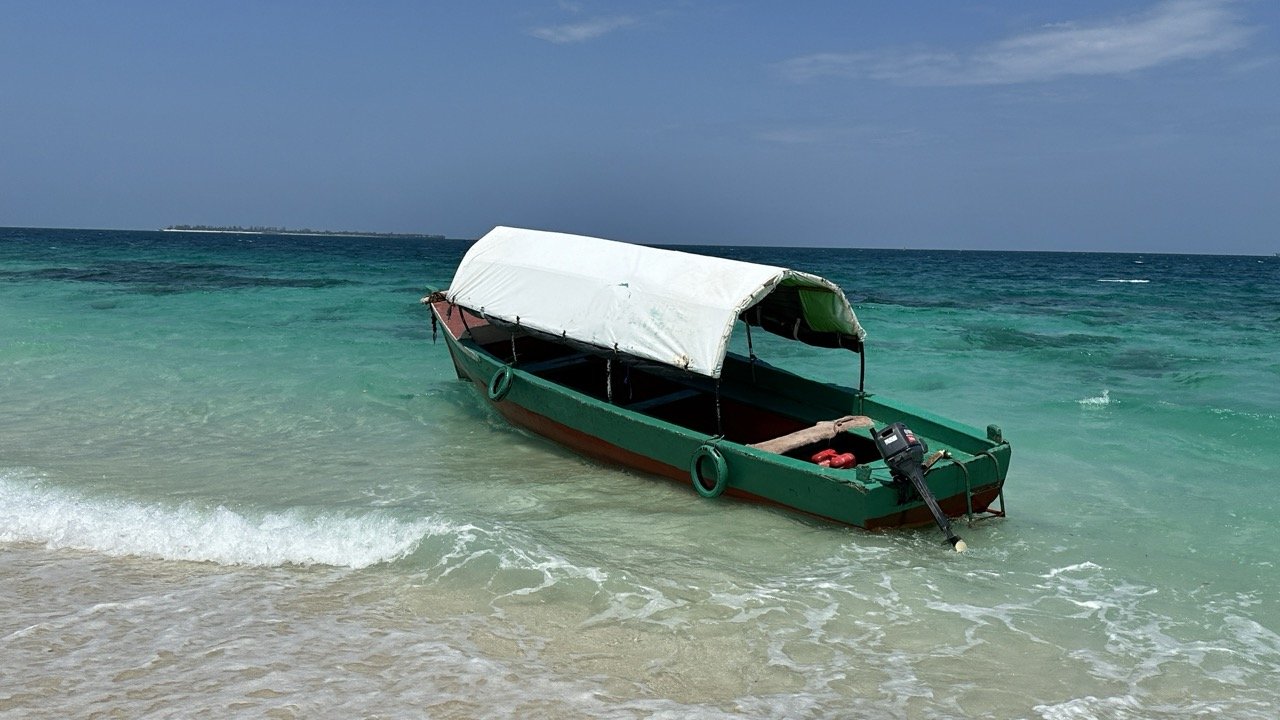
(862, 370)
(719, 423)
(513, 341)
(751, 353)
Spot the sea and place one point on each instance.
(239, 479)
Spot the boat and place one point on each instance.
(619, 352)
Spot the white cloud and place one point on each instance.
(1171, 31)
(581, 31)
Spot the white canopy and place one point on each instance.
(668, 307)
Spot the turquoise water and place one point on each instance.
(236, 477)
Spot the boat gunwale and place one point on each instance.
(877, 466)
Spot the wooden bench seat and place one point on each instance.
(671, 397)
(553, 363)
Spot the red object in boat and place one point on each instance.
(845, 460)
(823, 455)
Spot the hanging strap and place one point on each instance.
(608, 374)
(719, 423)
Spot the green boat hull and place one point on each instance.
(965, 482)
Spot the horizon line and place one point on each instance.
(439, 237)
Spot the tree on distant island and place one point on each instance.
(273, 230)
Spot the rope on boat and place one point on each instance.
(463, 315)
(513, 341)
(933, 459)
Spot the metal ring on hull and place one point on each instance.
(719, 476)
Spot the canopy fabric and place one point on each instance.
(664, 306)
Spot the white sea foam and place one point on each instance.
(1089, 707)
(1100, 401)
(1086, 565)
(1122, 280)
(31, 512)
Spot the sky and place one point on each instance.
(1127, 125)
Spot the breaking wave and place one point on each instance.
(31, 512)
(1122, 280)
(1102, 400)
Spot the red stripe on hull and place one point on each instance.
(585, 443)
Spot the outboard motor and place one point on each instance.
(904, 454)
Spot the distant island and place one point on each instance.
(263, 230)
